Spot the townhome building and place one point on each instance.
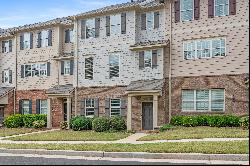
(144, 60)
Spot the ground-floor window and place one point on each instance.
(25, 107)
(89, 107)
(203, 100)
(43, 106)
(115, 107)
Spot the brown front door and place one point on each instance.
(147, 116)
(1, 115)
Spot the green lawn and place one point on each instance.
(15, 131)
(232, 147)
(198, 133)
(69, 135)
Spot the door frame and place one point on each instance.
(142, 113)
(2, 108)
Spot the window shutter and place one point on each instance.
(156, 20)
(143, 21)
(62, 67)
(108, 25)
(10, 45)
(10, 76)
(123, 108)
(232, 7)
(107, 107)
(38, 106)
(3, 43)
(22, 71)
(21, 41)
(141, 60)
(67, 36)
(31, 40)
(71, 67)
(196, 9)
(177, 6)
(39, 38)
(20, 106)
(96, 106)
(2, 76)
(123, 23)
(82, 107)
(50, 38)
(154, 58)
(48, 68)
(210, 8)
(97, 27)
(83, 29)
(30, 106)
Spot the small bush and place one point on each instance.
(28, 119)
(177, 120)
(14, 121)
(117, 123)
(39, 124)
(244, 122)
(64, 125)
(101, 124)
(166, 127)
(80, 123)
(190, 121)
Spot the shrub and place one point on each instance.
(244, 122)
(39, 124)
(101, 124)
(203, 120)
(80, 123)
(177, 120)
(28, 119)
(117, 123)
(64, 125)
(189, 121)
(14, 121)
(166, 127)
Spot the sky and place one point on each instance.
(15, 13)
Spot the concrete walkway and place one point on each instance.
(132, 139)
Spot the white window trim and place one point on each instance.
(8, 77)
(25, 107)
(45, 39)
(24, 41)
(153, 21)
(118, 65)
(210, 102)
(92, 100)
(86, 28)
(185, 10)
(31, 70)
(211, 48)
(151, 56)
(111, 34)
(6, 46)
(44, 107)
(223, 10)
(66, 67)
(88, 68)
(115, 107)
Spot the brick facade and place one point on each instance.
(9, 108)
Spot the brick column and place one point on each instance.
(68, 110)
(129, 113)
(49, 117)
(155, 111)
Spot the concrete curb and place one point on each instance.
(179, 156)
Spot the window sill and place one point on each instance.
(199, 111)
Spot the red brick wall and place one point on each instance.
(9, 108)
(57, 112)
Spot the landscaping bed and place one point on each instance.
(178, 132)
(231, 147)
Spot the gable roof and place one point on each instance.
(146, 85)
(5, 90)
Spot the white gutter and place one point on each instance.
(76, 57)
(14, 95)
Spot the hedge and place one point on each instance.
(79, 123)
(206, 120)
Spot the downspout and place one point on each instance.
(14, 98)
(76, 56)
(170, 66)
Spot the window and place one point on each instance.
(115, 107)
(25, 107)
(6, 76)
(89, 68)
(44, 38)
(90, 28)
(26, 40)
(203, 100)
(115, 24)
(205, 48)
(66, 67)
(148, 59)
(35, 70)
(150, 20)
(89, 107)
(43, 107)
(69, 36)
(5, 47)
(187, 10)
(221, 7)
(113, 66)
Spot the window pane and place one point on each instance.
(114, 65)
(66, 67)
(148, 59)
(202, 100)
(27, 70)
(44, 38)
(115, 23)
(90, 112)
(90, 28)
(89, 68)
(187, 10)
(187, 100)
(115, 112)
(150, 18)
(90, 103)
(25, 107)
(188, 105)
(217, 103)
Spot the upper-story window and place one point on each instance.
(26, 40)
(89, 68)
(116, 24)
(7, 46)
(69, 37)
(114, 65)
(7, 76)
(90, 28)
(33, 70)
(187, 10)
(67, 67)
(221, 7)
(148, 59)
(150, 20)
(44, 38)
(206, 48)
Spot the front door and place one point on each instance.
(147, 116)
(1, 115)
